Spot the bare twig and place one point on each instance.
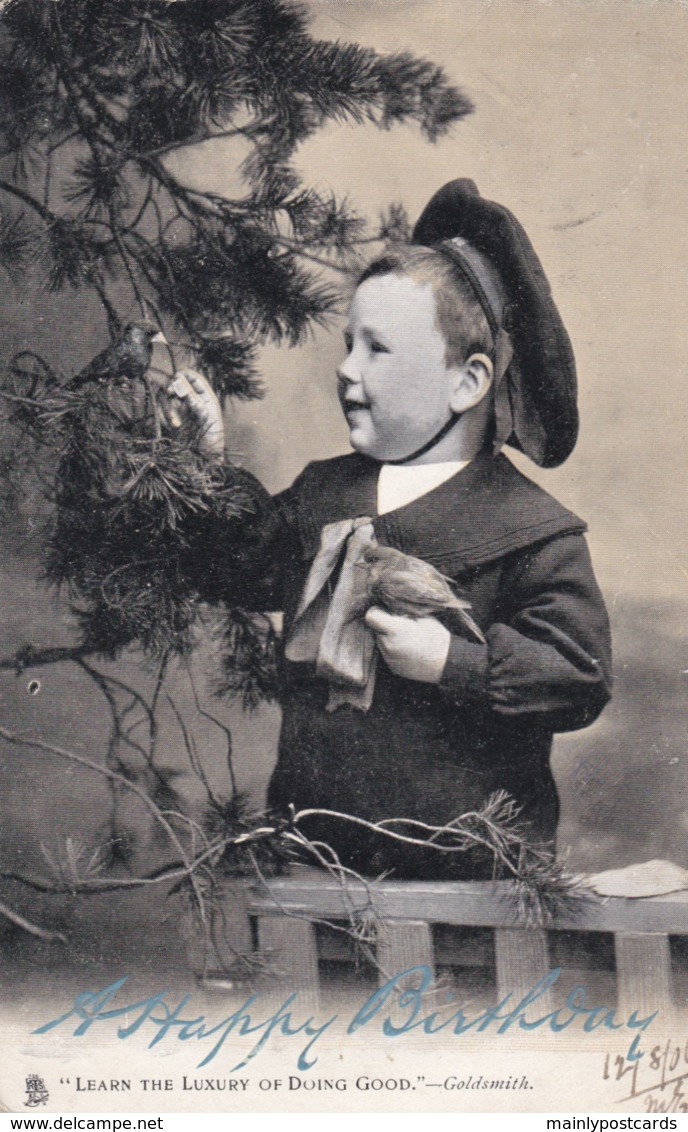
(116, 735)
(29, 926)
(190, 746)
(27, 198)
(218, 723)
(71, 756)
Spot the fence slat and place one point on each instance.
(643, 975)
(214, 952)
(522, 960)
(290, 947)
(401, 945)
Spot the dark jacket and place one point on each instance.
(433, 752)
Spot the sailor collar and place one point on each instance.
(484, 511)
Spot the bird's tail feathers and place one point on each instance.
(466, 622)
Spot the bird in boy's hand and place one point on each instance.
(410, 587)
(126, 359)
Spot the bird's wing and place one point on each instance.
(95, 368)
(103, 365)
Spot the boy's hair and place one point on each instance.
(459, 316)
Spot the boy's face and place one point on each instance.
(394, 385)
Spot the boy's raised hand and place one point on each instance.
(415, 648)
(190, 392)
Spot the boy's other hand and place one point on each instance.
(190, 392)
(415, 648)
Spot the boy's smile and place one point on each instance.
(394, 386)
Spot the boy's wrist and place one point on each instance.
(466, 669)
(430, 665)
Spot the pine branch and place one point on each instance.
(115, 87)
(236, 836)
(199, 138)
(75, 88)
(113, 318)
(33, 656)
(97, 885)
(124, 256)
(147, 199)
(309, 257)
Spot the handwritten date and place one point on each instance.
(659, 1080)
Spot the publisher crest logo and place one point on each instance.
(36, 1092)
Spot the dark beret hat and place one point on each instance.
(541, 379)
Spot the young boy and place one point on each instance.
(454, 348)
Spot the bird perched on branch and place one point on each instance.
(127, 358)
(410, 587)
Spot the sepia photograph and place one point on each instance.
(343, 565)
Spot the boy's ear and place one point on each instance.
(471, 382)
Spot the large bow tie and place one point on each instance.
(328, 627)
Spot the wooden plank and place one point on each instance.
(643, 975)
(467, 903)
(522, 961)
(402, 945)
(290, 948)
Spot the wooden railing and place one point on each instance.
(287, 911)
